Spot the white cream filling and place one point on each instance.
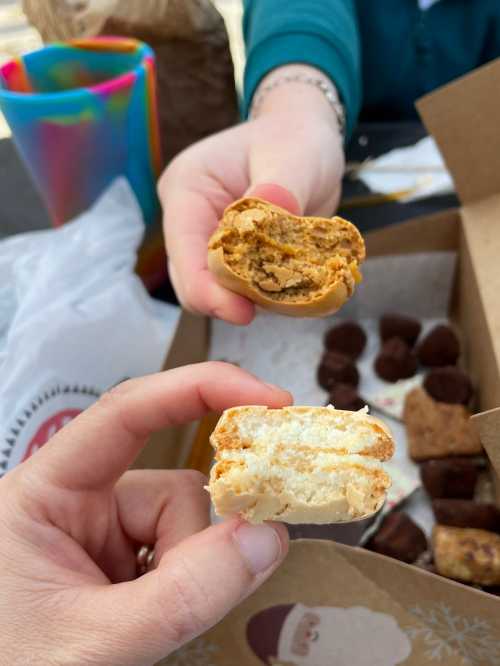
(254, 460)
(306, 430)
(317, 486)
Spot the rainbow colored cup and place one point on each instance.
(81, 114)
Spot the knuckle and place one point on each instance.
(163, 181)
(219, 368)
(116, 393)
(218, 365)
(192, 293)
(167, 174)
(177, 167)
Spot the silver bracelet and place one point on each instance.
(316, 81)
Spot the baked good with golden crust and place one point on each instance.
(302, 465)
(467, 554)
(437, 430)
(297, 266)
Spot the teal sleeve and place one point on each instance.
(321, 33)
(491, 48)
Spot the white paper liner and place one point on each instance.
(418, 170)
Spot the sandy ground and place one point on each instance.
(18, 37)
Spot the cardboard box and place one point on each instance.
(332, 604)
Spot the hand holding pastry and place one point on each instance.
(73, 520)
(294, 160)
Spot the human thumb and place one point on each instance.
(194, 586)
(276, 194)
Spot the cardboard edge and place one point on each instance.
(462, 116)
(488, 426)
(413, 236)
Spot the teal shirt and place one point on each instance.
(381, 54)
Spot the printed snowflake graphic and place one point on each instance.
(447, 634)
(197, 653)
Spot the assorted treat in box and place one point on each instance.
(465, 541)
(399, 357)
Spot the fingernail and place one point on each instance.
(259, 545)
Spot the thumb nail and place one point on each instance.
(259, 545)
(274, 387)
(286, 396)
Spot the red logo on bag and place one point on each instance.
(49, 429)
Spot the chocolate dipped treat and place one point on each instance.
(337, 368)
(450, 478)
(485, 487)
(395, 361)
(465, 513)
(439, 348)
(345, 396)
(399, 537)
(346, 338)
(393, 325)
(450, 385)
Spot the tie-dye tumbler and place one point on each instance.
(82, 113)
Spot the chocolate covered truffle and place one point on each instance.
(440, 347)
(395, 361)
(347, 338)
(336, 368)
(394, 325)
(399, 537)
(450, 477)
(449, 384)
(345, 396)
(465, 513)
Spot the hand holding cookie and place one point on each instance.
(294, 160)
(73, 521)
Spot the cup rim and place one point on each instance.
(147, 54)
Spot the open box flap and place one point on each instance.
(481, 248)
(488, 424)
(438, 232)
(463, 117)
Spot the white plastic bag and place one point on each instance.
(74, 321)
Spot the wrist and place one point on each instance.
(299, 90)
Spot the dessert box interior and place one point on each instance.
(426, 618)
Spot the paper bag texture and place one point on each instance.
(74, 321)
